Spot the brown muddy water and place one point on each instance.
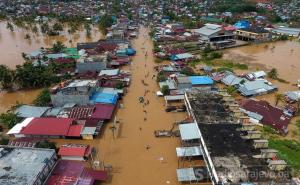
(12, 44)
(126, 152)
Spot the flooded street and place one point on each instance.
(127, 152)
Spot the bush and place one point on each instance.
(158, 60)
(43, 99)
(161, 77)
(165, 90)
(215, 55)
(231, 90)
(45, 144)
(4, 141)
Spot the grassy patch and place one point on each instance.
(222, 64)
(288, 150)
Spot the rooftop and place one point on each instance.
(230, 155)
(22, 165)
(27, 111)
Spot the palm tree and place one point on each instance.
(278, 97)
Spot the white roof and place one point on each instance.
(174, 98)
(186, 174)
(109, 72)
(259, 74)
(82, 83)
(88, 131)
(189, 131)
(188, 151)
(18, 127)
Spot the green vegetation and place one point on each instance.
(161, 77)
(105, 22)
(165, 90)
(278, 98)
(10, 26)
(6, 77)
(119, 85)
(29, 76)
(273, 74)
(288, 150)
(158, 60)
(58, 47)
(187, 71)
(231, 90)
(43, 99)
(4, 141)
(223, 64)
(45, 144)
(9, 119)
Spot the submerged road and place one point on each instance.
(137, 157)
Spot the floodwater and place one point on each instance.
(9, 99)
(12, 44)
(283, 55)
(132, 163)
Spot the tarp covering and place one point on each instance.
(104, 98)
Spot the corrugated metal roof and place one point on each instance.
(189, 131)
(27, 111)
(201, 80)
(174, 98)
(186, 174)
(188, 151)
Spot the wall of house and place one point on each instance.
(61, 99)
(87, 137)
(184, 86)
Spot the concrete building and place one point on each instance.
(77, 91)
(30, 166)
(214, 32)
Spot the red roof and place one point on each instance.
(48, 126)
(82, 112)
(272, 116)
(73, 150)
(73, 172)
(75, 130)
(103, 111)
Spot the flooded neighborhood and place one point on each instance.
(153, 92)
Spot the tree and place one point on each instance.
(6, 77)
(9, 119)
(161, 77)
(88, 29)
(44, 28)
(35, 29)
(278, 97)
(58, 47)
(273, 74)
(43, 99)
(119, 85)
(105, 22)
(10, 26)
(57, 27)
(165, 90)
(231, 90)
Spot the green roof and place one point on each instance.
(211, 19)
(71, 52)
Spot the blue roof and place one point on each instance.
(201, 80)
(242, 24)
(105, 98)
(130, 51)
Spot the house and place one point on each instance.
(292, 96)
(214, 32)
(170, 83)
(74, 172)
(253, 33)
(231, 80)
(76, 91)
(292, 32)
(74, 152)
(264, 113)
(109, 72)
(257, 87)
(27, 111)
(256, 75)
(182, 57)
(183, 82)
(104, 98)
(29, 166)
(47, 128)
(91, 66)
